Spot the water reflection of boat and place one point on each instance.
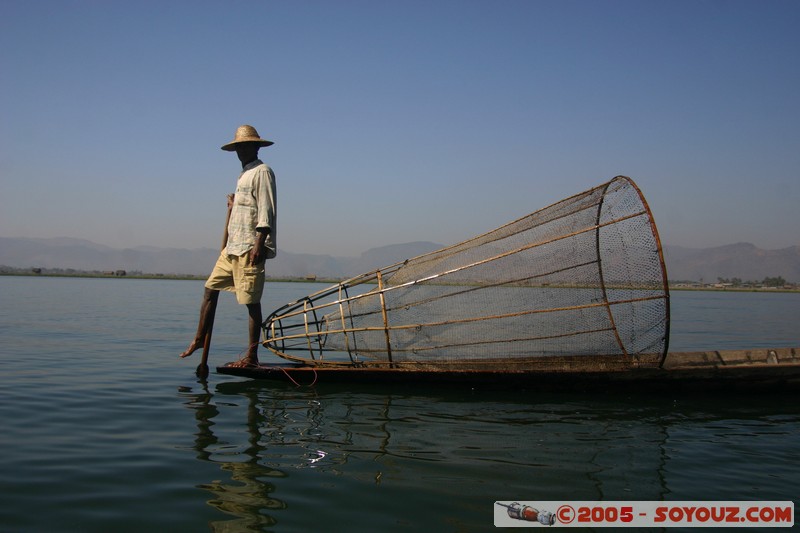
(282, 457)
(281, 440)
(574, 294)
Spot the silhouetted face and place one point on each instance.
(247, 152)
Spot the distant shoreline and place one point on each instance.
(179, 277)
(189, 277)
(732, 289)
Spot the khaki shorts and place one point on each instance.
(236, 274)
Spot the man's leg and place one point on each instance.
(254, 328)
(207, 310)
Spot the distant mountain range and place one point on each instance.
(79, 254)
(741, 260)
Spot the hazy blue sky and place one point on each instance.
(397, 121)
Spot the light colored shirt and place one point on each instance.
(255, 206)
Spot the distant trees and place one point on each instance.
(777, 281)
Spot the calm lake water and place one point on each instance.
(105, 429)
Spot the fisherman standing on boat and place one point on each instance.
(250, 238)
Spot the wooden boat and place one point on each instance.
(775, 369)
(574, 294)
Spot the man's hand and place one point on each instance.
(259, 252)
(230, 201)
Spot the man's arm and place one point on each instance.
(227, 221)
(265, 200)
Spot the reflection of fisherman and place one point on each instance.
(250, 239)
(247, 494)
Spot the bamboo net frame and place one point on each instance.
(582, 277)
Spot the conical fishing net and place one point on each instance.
(582, 277)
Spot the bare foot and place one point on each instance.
(245, 362)
(193, 347)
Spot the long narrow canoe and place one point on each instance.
(756, 369)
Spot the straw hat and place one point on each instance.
(245, 134)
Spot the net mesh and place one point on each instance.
(582, 277)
